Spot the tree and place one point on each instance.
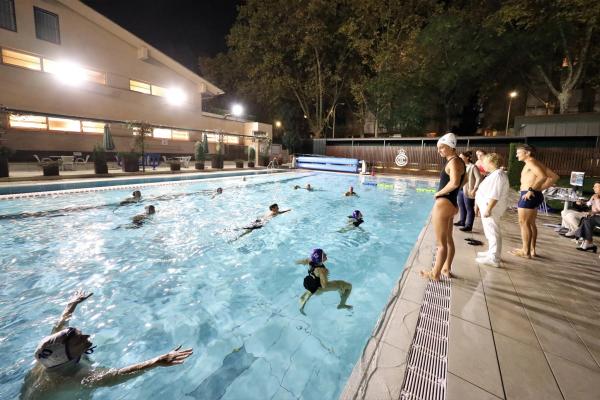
(295, 49)
(556, 37)
(291, 141)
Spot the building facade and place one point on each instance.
(66, 71)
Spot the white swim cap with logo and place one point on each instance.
(449, 139)
(52, 350)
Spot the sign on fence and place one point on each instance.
(401, 158)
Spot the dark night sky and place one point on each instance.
(182, 29)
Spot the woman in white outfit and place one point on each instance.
(491, 200)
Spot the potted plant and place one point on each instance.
(5, 153)
(130, 161)
(175, 165)
(251, 157)
(50, 168)
(200, 155)
(217, 161)
(99, 157)
(239, 163)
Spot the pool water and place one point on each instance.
(183, 278)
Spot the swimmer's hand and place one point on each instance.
(174, 357)
(303, 261)
(79, 297)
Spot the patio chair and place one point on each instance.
(80, 160)
(165, 159)
(153, 160)
(45, 159)
(67, 161)
(118, 160)
(186, 161)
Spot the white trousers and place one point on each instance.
(571, 218)
(492, 232)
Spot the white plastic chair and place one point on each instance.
(186, 161)
(42, 160)
(67, 161)
(80, 160)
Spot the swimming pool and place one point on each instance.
(183, 279)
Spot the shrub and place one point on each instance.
(514, 166)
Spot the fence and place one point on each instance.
(422, 155)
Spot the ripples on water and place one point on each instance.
(182, 278)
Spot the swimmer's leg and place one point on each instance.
(303, 299)
(344, 288)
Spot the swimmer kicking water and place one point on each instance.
(63, 368)
(317, 282)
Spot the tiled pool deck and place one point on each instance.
(527, 330)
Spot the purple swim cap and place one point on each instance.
(357, 214)
(317, 256)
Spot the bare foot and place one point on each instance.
(447, 273)
(519, 253)
(533, 253)
(429, 275)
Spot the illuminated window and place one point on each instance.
(161, 133)
(63, 124)
(7, 15)
(181, 135)
(11, 57)
(46, 25)
(138, 86)
(159, 91)
(231, 139)
(53, 67)
(28, 121)
(92, 127)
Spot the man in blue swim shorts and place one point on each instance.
(535, 177)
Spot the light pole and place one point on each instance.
(333, 129)
(511, 96)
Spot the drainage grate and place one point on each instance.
(427, 362)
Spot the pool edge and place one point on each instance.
(367, 380)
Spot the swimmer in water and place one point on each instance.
(217, 192)
(136, 197)
(63, 367)
(307, 187)
(260, 222)
(351, 192)
(317, 281)
(140, 219)
(354, 221)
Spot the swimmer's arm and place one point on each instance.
(551, 179)
(115, 376)
(78, 297)
(284, 211)
(303, 261)
(455, 180)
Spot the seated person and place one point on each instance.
(317, 282)
(572, 217)
(590, 222)
(140, 219)
(136, 197)
(354, 221)
(351, 192)
(62, 363)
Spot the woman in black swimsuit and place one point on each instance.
(446, 206)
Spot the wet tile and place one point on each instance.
(469, 304)
(525, 371)
(576, 382)
(509, 318)
(459, 389)
(414, 289)
(401, 328)
(472, 357)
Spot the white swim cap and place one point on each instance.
(449, 139)
(52, 350)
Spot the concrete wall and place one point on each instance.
(587, 124)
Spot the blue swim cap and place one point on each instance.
(317, 255)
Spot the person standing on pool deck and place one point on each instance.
(63, 366)
(446, 206)
(535, 177)
(317, 282)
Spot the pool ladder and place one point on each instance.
(273, 164)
